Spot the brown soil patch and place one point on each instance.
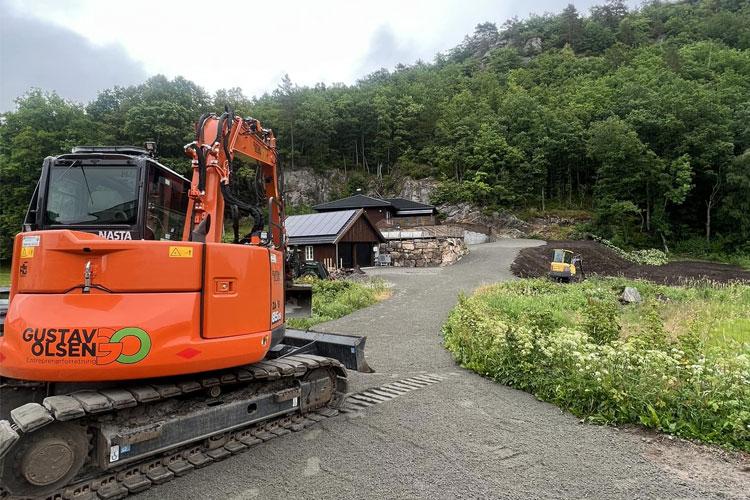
(708, 466)
(600, 260)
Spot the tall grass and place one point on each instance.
(338, 298)
(678, 362)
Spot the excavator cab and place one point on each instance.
(117, 193)
(565, 266)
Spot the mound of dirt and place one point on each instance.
(603, 261)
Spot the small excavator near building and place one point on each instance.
(137, 344)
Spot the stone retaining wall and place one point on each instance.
(424, 252)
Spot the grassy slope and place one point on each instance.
(4, 275)
(720, 313)
(335, 299)
(681, 363)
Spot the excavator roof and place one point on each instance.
(124, 150)
(116, 153)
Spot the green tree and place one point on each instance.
(43, 125)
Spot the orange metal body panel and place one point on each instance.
(57, 264)
(238, 293)
(31, 350)
(149, 322)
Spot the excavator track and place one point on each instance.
(310, 388)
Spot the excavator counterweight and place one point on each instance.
(137, 343)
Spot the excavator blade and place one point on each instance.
(298, 301)
(349, 350)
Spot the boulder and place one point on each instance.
(630, 296)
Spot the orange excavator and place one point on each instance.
(137, 344)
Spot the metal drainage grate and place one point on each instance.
(376, 395)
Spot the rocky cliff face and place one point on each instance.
(416, 189)
(495, 225)
(305, 186)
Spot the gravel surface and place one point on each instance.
(464, 437)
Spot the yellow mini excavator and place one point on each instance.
(565, 266)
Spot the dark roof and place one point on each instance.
(402, 204)
(326, 227)
(356, 201)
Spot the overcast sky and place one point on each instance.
(78, 47)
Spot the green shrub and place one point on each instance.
(601, 323)
(653, 335)
(650, 256)
(677, 384)
(333, 299)
(718, 250)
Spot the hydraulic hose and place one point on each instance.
(201, 155)
(254, 211)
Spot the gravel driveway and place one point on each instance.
(464, 437)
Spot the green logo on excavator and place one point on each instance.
(143, 350)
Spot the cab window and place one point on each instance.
(92, 195)
(167, 205)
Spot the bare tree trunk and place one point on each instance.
(648, 207)
(710, 205)
(664, 242)
(542, 199)
(356, 154)
(364, 158)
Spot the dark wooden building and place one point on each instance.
(344, 238)
(385, 212)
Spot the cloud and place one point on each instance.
(386, 50)
(34, 53)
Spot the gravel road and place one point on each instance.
(464, 437)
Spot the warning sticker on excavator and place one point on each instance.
(181, 252)
(31, 241)
(27, 252)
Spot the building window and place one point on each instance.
(309, 254)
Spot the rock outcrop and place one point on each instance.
(495, 225)
(417, 189)
(305, 186)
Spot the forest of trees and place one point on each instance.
(641, 117)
